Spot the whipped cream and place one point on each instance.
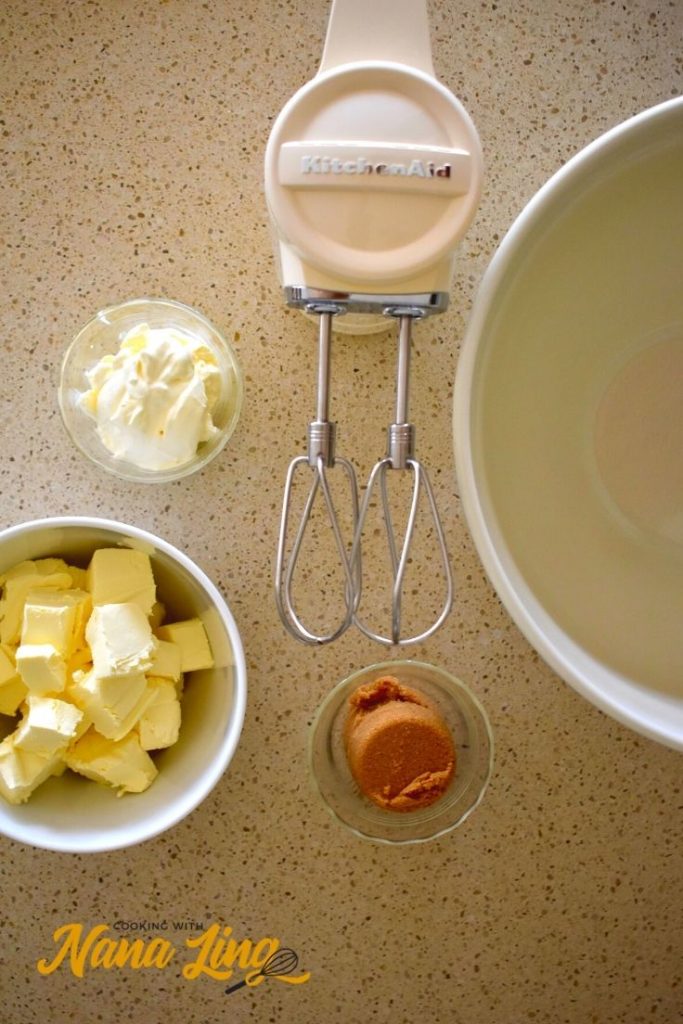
(153, 400)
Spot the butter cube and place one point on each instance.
(166, 661)
(191, 638)
(12, 694)
(112, 703)
(56, 617)
(79, 577)
(22, 771)
(122, 764)
(48, 726)
(41, 667)
(122, 576)
(159, 723)
(80, 660)
(13, 690)
(85, 721)
(120, 639)
(48, 566)
(156, 616)
(18, 581)
(8, 667)
(40, 567)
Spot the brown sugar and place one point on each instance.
(398, 746)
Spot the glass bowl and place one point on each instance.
(102, 336)
(472, 737)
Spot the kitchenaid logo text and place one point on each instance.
(335, 165)
(214, 953)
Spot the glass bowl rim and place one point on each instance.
(122, 469)
(453, 683)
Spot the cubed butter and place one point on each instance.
(48, 726)
(122, 764)
(12, 693)
(13, 689)
(85, 720)
(157, 614)
(80, 660)
(84, 724)
(120, 639)
(21, 771)
(112, 703)
(83, 603)
(48, 566)
(30, 567)
(166, 661)
(41, 667)
(18, 581)
(159, 723)
(8, 668)
(56, 617)
(191, 638)
(79, 577)
(122, 576)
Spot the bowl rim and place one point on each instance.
(185, 803)
(647, 712)
(386, 667)
(123, 469)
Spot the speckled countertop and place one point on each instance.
(132, 144)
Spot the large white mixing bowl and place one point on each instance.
(568, 420)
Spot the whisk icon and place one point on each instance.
(282, 961)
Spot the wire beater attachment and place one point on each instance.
(401, 456)
(321, 458)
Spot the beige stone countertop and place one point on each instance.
(132, 146)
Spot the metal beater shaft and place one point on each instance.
(401, 455)
(321, 456)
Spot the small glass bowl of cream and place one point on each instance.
(150, 390)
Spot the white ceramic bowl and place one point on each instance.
(73, 814)
(568, 420)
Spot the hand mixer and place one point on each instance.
(372, 175)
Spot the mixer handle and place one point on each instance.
(391, 30)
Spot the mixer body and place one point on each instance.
(372, 175)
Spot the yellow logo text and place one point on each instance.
(216, 954)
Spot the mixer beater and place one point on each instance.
(320, 458)
(401, 456)
(372, 175)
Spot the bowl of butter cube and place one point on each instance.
(122, 685)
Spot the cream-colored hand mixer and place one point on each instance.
(372, 175)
